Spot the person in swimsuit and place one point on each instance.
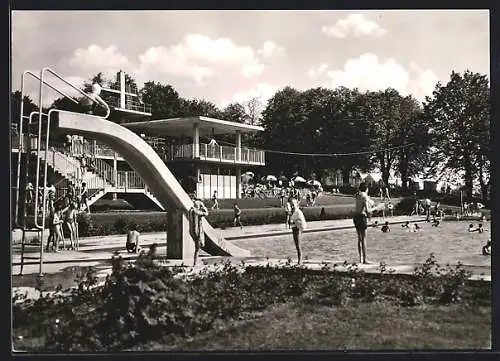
(237, 216)
(299, 224)
(197, 213)
(70, 224)
(84, 193)
(132, 244)
(214, 199)
(363, 207)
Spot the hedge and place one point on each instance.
(103, 224)
(118, 223)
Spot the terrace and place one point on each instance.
(217, 154)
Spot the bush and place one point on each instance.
(85, 225)
(406, 205)
(143, 302)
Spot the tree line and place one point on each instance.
(446, 135)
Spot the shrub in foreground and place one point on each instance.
(143, 302)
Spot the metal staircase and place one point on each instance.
(99, 177)
(69, 167)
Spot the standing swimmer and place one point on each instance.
(197, 212)
(363, 207)
(299, 224)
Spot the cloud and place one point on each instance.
(424, 83)
(262, 91)
(368, 72)
(354, 24)
(316, 71)
(197, 57)
(171, 62)
(96, 57)
(270, 49)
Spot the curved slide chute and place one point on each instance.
(147, 163)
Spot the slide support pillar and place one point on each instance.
(180, 245)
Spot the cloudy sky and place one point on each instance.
(226, 56)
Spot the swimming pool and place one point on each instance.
(450, 242)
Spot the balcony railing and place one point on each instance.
(128, 87)
(218, 153)
(130, 104)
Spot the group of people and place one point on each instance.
(72, 195)
(472, 207)
(424, 206)
(310, 195)
(62, 216)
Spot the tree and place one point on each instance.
(234, 112)
(96, 79)
(254, 110)
(344, 130)
(164, 99)
(15, 101)
(394, 121)
(414, 138)
(283, 126)
(460, 114)
(199, 107)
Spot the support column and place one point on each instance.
(238, 146)
(238, 182)
(180, 245)
(196, 141)
(122, 89)
(115, 174)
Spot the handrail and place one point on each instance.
(108, 111)
(104, 170)
(50, 86)
(20, 141)
(20, 144)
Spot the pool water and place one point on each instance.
(67, 278)
(451, 242)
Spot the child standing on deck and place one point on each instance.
(237, 214)
(299, 224)
(84, 194)
(214, 200)
(55, 235)
(288, 212)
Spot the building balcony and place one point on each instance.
(131, 106)
(217, 154)
(184, 152)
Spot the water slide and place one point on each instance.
(146, 162)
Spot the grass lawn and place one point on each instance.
(356, 326)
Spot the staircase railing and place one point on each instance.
(68, 166)
(104, 170)
(129, 180)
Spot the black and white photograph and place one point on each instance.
(250, 181)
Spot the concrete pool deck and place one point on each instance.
(101, 248)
